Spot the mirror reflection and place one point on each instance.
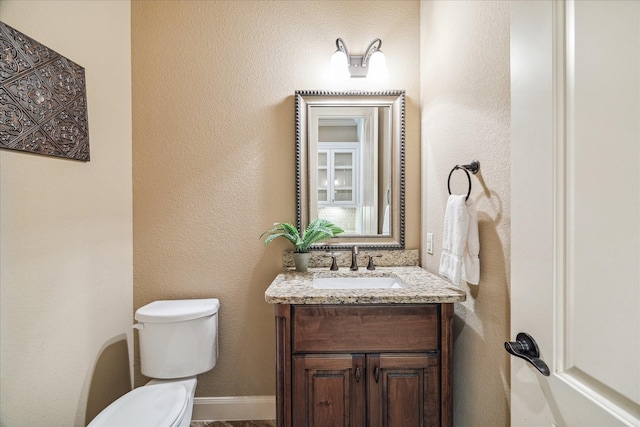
(350, 162)
(353, 180)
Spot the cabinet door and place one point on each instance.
(344, 176)
(403, 390)
(328, 390)
(337, 176)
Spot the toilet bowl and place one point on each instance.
(178, 340)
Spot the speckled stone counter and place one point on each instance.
(292, 287)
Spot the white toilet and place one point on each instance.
(178, 340)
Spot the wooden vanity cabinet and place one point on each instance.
(364, 365)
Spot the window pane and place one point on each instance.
(344, 159)
(322, 178)
(343, 195)
(343, 178)
(322, 159)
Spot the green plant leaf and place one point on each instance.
(285, 230)
(317, 230)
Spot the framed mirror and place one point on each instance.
(350, 166)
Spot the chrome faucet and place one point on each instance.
(354, 261)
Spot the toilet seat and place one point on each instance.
(157, 405)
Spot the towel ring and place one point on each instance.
(472, 167)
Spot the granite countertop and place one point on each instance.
(293, 287)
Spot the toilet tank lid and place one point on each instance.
(166, 311)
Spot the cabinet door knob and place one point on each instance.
(357, 374)
(376, 373)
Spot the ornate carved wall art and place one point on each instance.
(43, 103)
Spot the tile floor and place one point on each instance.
(262, 423)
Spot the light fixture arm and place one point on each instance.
(373, 47)
(342, 47)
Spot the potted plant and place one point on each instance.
(317, 230)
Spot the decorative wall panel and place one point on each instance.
(43, 103)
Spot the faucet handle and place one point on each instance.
(334, 263)
(371, 266)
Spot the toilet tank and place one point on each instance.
(178, 338)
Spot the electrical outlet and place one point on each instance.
(430, 243)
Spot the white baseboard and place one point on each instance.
(234, 408)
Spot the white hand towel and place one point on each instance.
(454, 238)
(460, 245)
(470, 258)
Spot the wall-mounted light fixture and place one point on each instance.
(372, 64)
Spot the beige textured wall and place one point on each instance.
(66, 228)
(214, 150)
(465, 101)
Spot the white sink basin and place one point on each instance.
(357, 283)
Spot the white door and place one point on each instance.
(575, 279)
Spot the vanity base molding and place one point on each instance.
(364, 365)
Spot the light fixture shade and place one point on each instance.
(339, 65)
(378, 66)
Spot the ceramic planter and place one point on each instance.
(301, 260)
